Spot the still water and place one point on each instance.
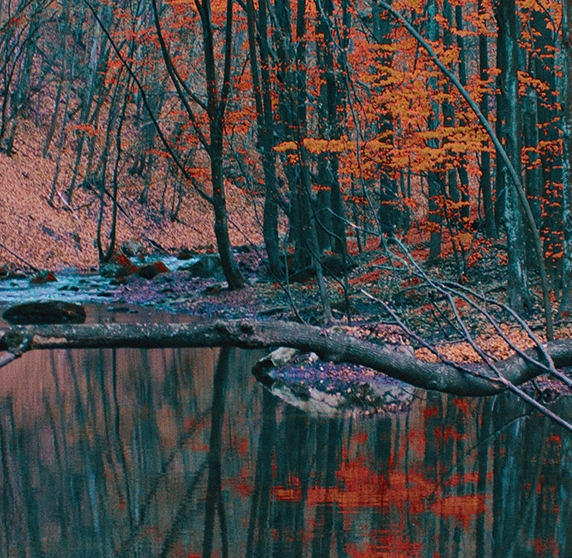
(181, 453)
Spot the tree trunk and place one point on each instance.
(265, 127)
(472, 380)
(216, 107)
(509, 113)
(566, 119)
(434, 178)
(232, 274)
(485, 178)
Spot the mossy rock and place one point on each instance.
(45, 312)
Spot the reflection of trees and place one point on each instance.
(259, 541)
(455, 476)
(152, 454)
(214, 500)
(529, 486)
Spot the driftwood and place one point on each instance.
(474, 380)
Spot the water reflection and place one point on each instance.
(180, 453)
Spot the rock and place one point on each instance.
(205, 267)
(45, 312)
(132, 248)
(119, 266)
(185, 254)
(327, 389)
(43, 277)
(150, 271)
(7, 273)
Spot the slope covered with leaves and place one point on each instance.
(64, 235)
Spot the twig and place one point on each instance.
(32, 267)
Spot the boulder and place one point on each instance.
(206, 266)
(150, 271)
(43, 277)
(327, 389)
(119, 266)
(185, 254)
(132, 248)
(45, 312)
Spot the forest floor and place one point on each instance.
(35, 235)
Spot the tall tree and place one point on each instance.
(218, 90)
(510, 116)
(485, 179)
(261, 81)
(566, 123)
(435, 177)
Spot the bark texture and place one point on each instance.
(474, 380)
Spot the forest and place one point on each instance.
(285, 278)
(401, 159)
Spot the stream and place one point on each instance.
(182, 453)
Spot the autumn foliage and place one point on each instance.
(334, 121)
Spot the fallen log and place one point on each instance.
(335, 346)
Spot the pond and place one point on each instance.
(182, 453)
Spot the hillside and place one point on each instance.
(65, 235)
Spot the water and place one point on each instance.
(181, 453)
(72, 286)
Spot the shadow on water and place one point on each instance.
(181, 453)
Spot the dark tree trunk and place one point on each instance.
(435, 179)
(258, 27)
(509, 114)
(485, 181)
(330, 206)
(216, 107)
(566, 120)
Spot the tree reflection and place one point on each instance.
(181, 453)
(214, 501)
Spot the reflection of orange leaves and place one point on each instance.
(431, 412)
(462, 405)
(462, 508)
(391, 543)
(545, 547)
(447, 433)
(241, 484)
(287, 494)
(463, 480)
(360, 437)
(243, 447)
